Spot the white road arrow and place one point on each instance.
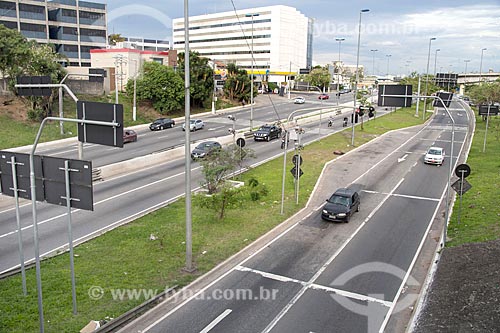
(402, 158)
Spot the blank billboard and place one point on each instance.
(394, 95)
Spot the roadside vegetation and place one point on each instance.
(480, 214)
(149, 253)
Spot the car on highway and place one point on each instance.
(435, 155)
(299, 100)
(267, 133)
(204, 148)
(129, 136)
(162, 123)
(194, 125)
(341, 205)
(323, 96)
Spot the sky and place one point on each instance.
(401, 29)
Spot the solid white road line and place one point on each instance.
(216, 321)
(403, 195)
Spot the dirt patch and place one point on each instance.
(13, 107)
(465, 293)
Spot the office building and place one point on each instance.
(74, 27)
(279, 37)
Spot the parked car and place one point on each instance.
(299, 100)
(435, 155)
(194, 125)
(129, 136)
(204, 148)
(323, 96)
(341, 205)
(267, 133)
(162, 123)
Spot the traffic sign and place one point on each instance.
(297, 158)
(240, 142)
(461, 187)
(462, 171)
(294, 172)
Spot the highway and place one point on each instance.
(121, 199)
(319, 276)
(268, 109)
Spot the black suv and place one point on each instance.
(341, 205)
(267, 133)
(162, 123)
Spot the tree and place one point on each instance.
(18, 56)
(238, 84)
(201, 75)
(161, 85)
(319, 76)
(115, 38)
(14, 51)
(216, 168)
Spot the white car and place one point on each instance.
(435, 155)
(194, 124)
(299, 100)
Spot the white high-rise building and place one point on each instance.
(282, 39)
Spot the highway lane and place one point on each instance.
(268, 108)
(343, 277)
(116, 201)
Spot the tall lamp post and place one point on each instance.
(388, 57)
(435, 60)
(340, 40)
(465, 73)
(373, 61)
(481, 65)
(427, 75)
(251, 86)
(134, 108)
(357, 75)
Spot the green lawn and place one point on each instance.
(127, 258)
(480, 217)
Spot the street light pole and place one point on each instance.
(373, 61)
(251, 86)
(427, 75)
(465, 74)
(134, 108)
(388, 57)
(340, 40)
(481, 65)
(435, 60)
(357, 74)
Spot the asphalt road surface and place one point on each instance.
(319, 276)
(121, 199)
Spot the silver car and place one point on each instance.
(194, 125)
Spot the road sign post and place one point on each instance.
(462, 171)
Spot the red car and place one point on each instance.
(129, 136)
(323, 96)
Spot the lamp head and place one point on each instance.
(365, 10)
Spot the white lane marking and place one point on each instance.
(216, 321)
(294, 300)
(348, 294)
(315, 286)
(402, 159)
(403, 195)
(163, 137)
(216, 128)
(276, 277)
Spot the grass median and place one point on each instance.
(147, 255)
(480, 214)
